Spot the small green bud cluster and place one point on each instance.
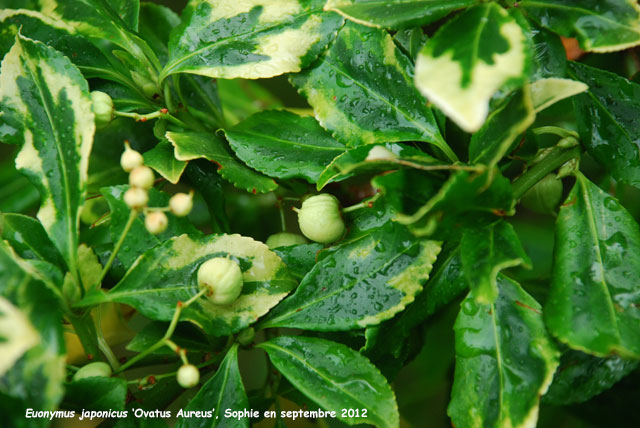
(103, 110)
(141, 179)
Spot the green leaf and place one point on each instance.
(336, 377)
(282, 144)
(487, 250)
(396, 13)
(512, 115)
(546, 92)
(161, 158)
(299, 259)
(462, 194)
(156, 23)
(35, 82)
(582, 376)
(599, 25)
(410, 41)
(242, 98)
(223, 391)
(549, 58)
(351, 100)
(96, 393)
(377, 158)
(594, 297)
(606, 116)
(167, 273)
(363, 281)
(470, 57)
(268, 38)
(139, 239)
(446, 285)
(29, 239)
(196, 145)
(31, 339)
(17, 194)
(505, 361)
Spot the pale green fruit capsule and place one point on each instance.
(97, 369)
(141, 177)
(222, 278)
(188, 376)
(320, 219)
(130, 159)
(156, 222)
(181, 204)
(136, 198)
(102, 108)
(246, 336)
(285, 239)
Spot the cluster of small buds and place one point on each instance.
(141, 179)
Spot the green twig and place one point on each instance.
(555, 159)
(127, 227)
(364, 204)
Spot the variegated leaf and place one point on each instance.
(269, 37)
(396, 13)
(359, 283)
(161, 158)
(599, 25)
(46, 108)
(167, 273)
(469, 59)
(546, 92)
(359, 107)
(196, 145)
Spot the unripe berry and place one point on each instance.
(285, 239)
(222, 278)
(181, 204)
(246, 336)
(545, 196)
(156, 222)
(141, 177)
(102, 106)
(97, 369)
(130, 159)
(320, 220)
(136, 198)
(188, 376)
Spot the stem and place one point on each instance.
(141, 117)
(167, 97)
(85, 329)
(102, 343)
(555, 159)
(127, 227)
(554, 130)
(165, 339)
(283, 223)
(363, 204)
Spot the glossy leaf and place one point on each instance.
(461, 80)
(35, 373)
(167, 274)
(35, 81)
(582, 376)
(193, 145)
(396, 13)
(299, 259)
(161, 158)
(374, 158)
(156, 23)
(606, 116)
(485, 251)
(599, 25)
(96, 393)
(410, 41)
(506, 122)
(363, 281)
(505, 361)
(139, 239)
(28, 239)
(223, 391)
(241, 98)
(249, 39)
(336, 377)
(549, 58)
(487, 193)
(351, 100)
(284, 145)
(594, 301)
(546, 92)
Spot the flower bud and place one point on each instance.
(156, 222)
(130, 159)
(181, 204)
(141, 177)
(136, 198)
(188, 376)
(102, 108)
